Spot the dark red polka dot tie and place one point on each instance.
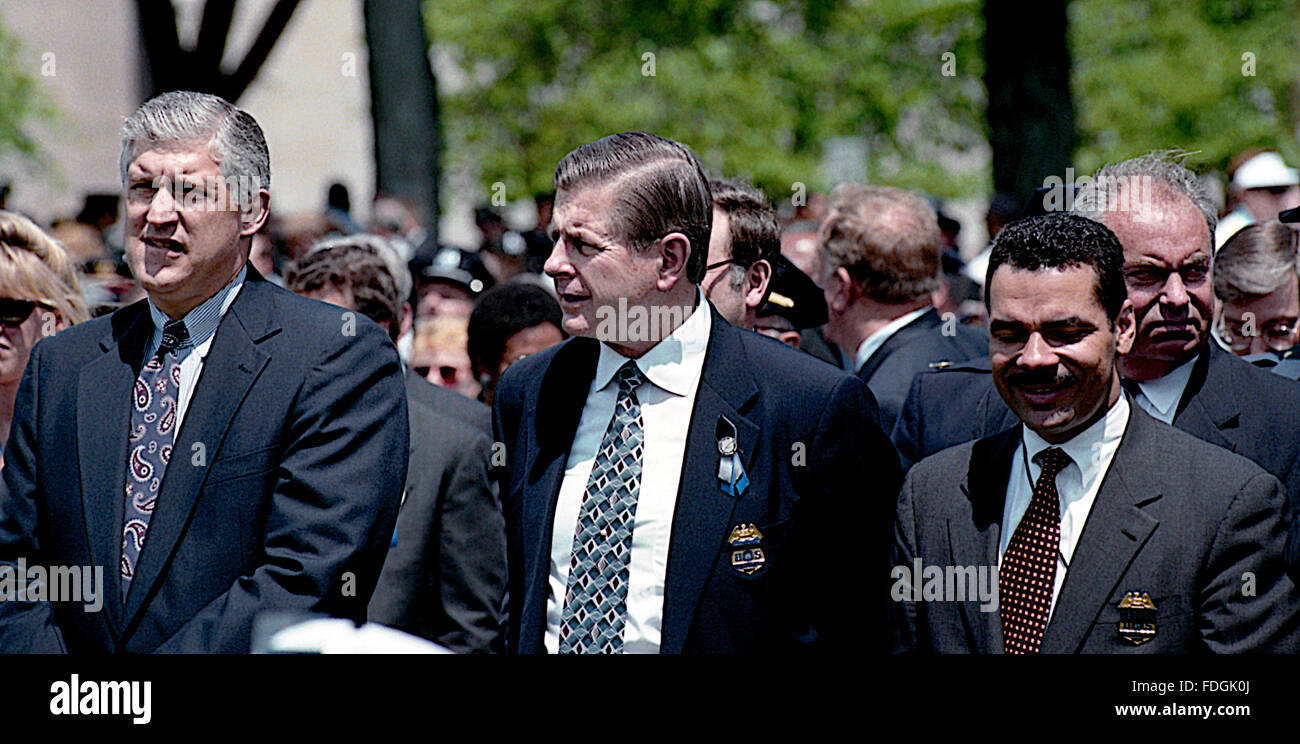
(1028, 571)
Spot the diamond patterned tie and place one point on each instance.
(153, 424)
(595, 601)
(1028, 572)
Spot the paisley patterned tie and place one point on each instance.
(153, 430)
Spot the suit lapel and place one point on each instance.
(1115, 530)
(926, 321)
(703, 512)
(232, 365)
(104, 390)
(560, 401)
(1214, 416)
(976, 543)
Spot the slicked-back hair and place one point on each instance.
(754, 231)
(1105, 192)
(235, 141)
(1255, 261)
(661, 188)
(1063, 241)
(888, 239)
(350, 266)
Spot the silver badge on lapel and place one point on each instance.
(732, 478)
(1137, 618)
(746, 548)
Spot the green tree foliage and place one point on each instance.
(1169, 73)
(756, 88)
(22, 99)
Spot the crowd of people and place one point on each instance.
(665, 419)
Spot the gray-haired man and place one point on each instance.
(220, 449)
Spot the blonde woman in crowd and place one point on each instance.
(39, 296)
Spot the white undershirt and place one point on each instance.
(1091, 452)
(1160, 397)
(672, 369)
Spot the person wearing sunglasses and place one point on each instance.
(39, 295)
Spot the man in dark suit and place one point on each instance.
(1099, 540)
(880, 250)
(678, 485)
(1165, 222)
(444, 577)
(288, 422)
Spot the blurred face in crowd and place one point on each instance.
(1167, 254)
(1053, 349)
(733, 302)
(593, 266)
(23, 322)
(448, 367)
(528, 341)
(184, 235)
(1265, 203)
(1269, 322)
(443, 298)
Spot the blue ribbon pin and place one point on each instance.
(731, 473)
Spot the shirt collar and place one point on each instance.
(1086, 446)
(878, 339)
(674, 363)
(201, 322)
(1165, 392)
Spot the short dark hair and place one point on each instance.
(501, 312)
(755, 232)
(1058, 241)
(665, 190)
(356, 268)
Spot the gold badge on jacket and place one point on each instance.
(1137, 618)
(746, 548)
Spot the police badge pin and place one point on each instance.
(1137, 618)
(746, 549)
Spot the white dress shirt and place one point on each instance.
(1091, 452)
(672, 369)
(878, 339)
(201, 323)
(1160, 397)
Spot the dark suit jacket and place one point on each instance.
(914, 348)
(282, 493)
(1184, 530)
(823, 479)
(445, 577)
(1227, 402)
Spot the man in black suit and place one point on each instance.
(1098, 539)
(287, 423)
(444, 576)
(676, 484)
(1165, 222)
(880, 250)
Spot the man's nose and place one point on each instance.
(1175, 292)
(1037, 352)
(162, 208)
(557, 264)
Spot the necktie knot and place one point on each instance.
(629, 377)
(1054, 461)
(174, 334)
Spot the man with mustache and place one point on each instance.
(1165, 221)
(222, 448)
(1100, 541)
(677, 484)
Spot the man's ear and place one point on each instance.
(839, 291)
(757, 277)
(253, 216)
(1125, 329)
(674, 250)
